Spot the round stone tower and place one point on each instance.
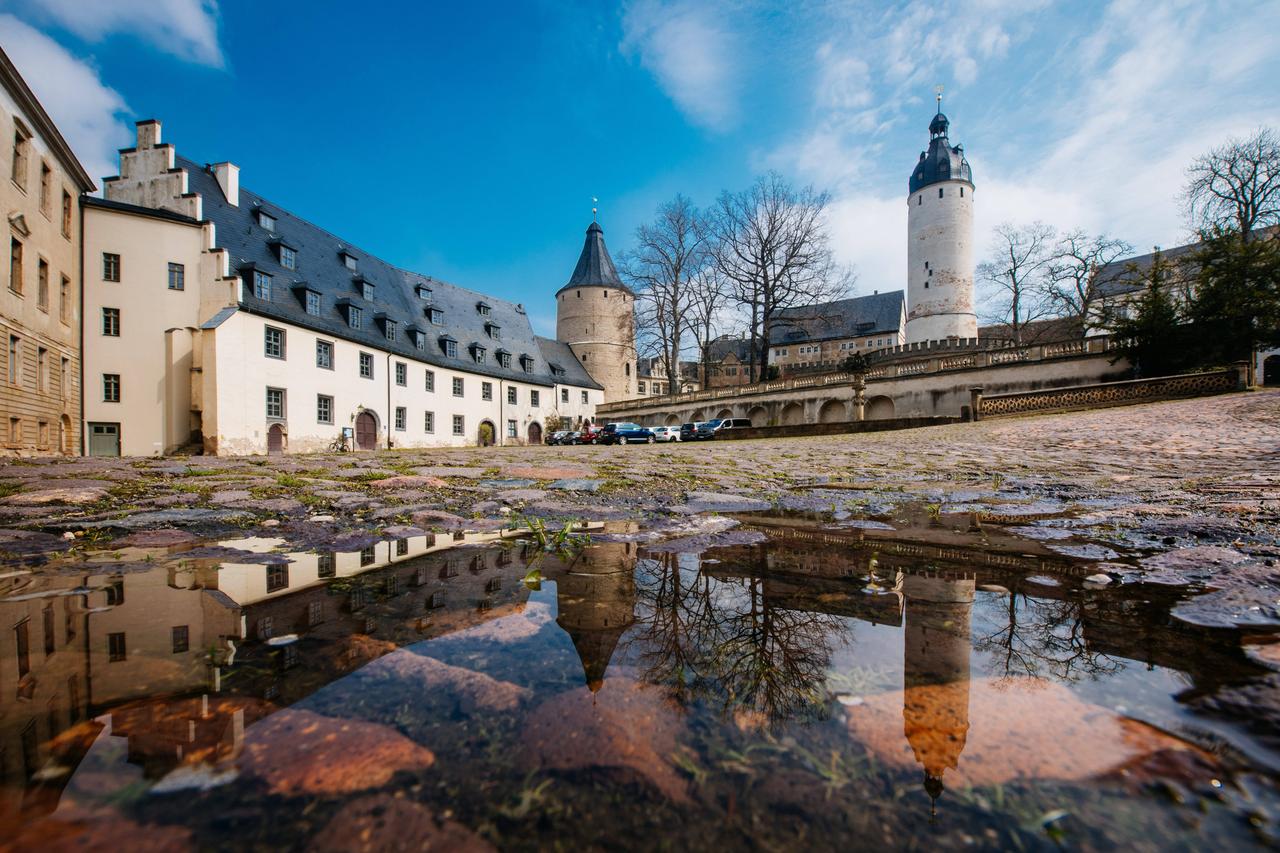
(940, 242)
(595, 316)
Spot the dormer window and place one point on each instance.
(288, 257)
(266, 221)
(494, 331)
(478, 353)
(484, 309)
(504, 358)
(424, 293)
(526, 363)
(435, 315)
(313, 303)
(349, 260)
(355, 317)
(420, 340)
(366, 290)
(449, 345)
(558, 371)
(389, 328)
(262, 285)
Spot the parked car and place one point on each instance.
(712, 429)
(590, 434)
(689, 431)
(666, 433)
(558, 437)
(626, 433)
(574, 437)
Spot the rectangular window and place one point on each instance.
(584, 397)
(486, 390)
(326, 566)
(429, 422)
(111, 322)
(65, 377)
(355, 317)
(420, 340)
(117, 650)
(275, 404)
(431, 381)
(46, 189)
(391, 330)
(402, 418)
(366, 290)
(402, 373)
(526, 364)
(15, 360)
(273, 342)
(436, 316)
(324, 355)
(266, 220)
(313, 303)
(324, 409)
(288, 258)
(64, 300)
(457, 386)
(479, 355)
(21, 145)
(110, 266)
(42, 369)
(459, 425)
(451, 349)
(15, 265)
(262, 285)
(181, 637)
(42, 285)
(534, 398)
(315, 613)
(504, 359)
(511, 429)
(177, 276)
(366, 366)
(564, 395)
(511, 396)
(22, 641)
(402, 547)
(66, 214)
(111, 387)
(640, 387)
(351, 262)
(277, 577)
(367, 556)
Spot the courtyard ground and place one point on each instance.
(1185, 491)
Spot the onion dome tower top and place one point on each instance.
(942, 162)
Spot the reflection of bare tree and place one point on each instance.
(727, 642)
(1042, 637)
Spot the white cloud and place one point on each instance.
(187, 29)
(687, 49)
(89, 114)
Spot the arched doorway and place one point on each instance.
(879, 408)
(275, 439)
(1271, 370)
(759, 416)
(366, 431)
(535, 433)
(792, 414)
(725, 413)
(672, 420)
(832, 412)
(64, 435)
(485, 434)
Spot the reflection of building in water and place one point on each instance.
(935, 675)
(595, 599)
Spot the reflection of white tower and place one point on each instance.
(940, 242)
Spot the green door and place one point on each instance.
(104, 439)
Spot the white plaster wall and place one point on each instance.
(940, 232)
(236, 422)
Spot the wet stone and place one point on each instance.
(697, 502)
(68, 495)
(576, 485)
(386, 823)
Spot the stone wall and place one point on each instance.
(839, 428)
(1112, 393)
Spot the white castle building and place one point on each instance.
(940, 299)
(218, 320)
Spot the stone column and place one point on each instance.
(975, 403)
(859, 396)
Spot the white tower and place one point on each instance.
(940, 241)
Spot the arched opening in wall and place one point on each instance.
(697, 416)
(275, 439)
(366, 431)
(832, 412)
(64, 436)
(671, 420)
(486, 434)
(535, 433)
(1271, 370)
(879, 408)
(759, 416)
(724, 413)
(792, 414)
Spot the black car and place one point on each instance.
(626, 433)
(689, 431)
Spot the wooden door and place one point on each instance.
(275, 439)
(366, 432)
(535, 433)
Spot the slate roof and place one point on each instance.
(845, 318)
(942, 162)
(1127, 275)
(595, 267)
(559, 355)
(321, 268)
(721, 347)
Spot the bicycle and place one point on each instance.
(339, 445)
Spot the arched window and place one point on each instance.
(939, 192)
(962, 192)
(628, 368)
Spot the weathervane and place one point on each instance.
(938, 92)
(594, 201)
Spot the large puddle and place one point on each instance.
(804, 685)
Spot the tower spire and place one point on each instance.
(938, 93)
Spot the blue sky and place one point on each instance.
(467, 140)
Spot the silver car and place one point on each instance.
(666, 433)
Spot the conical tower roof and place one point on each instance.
(595, 268)
(595, 647)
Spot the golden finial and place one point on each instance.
(594, 202)
(937, 90)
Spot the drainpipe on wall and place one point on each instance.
(500, 429)
(84, 438)
(389, 415)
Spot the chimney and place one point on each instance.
(148, 133)
(228, 175)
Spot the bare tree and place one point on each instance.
(708, 299)
(1236, 187)
(771, 246)
(1016, 274)
(1071, 270)
(668, 254)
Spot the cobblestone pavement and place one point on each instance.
(1149, 478)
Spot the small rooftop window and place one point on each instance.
(349, 260)
(478, 353)
(424, 293)
(526, 363)
(266, 220)
(262, 285)
(493, 330)
(313, 303)
(504, 358)
(390, 329)
(435, 315)
(366, 290)
(484, 309)
(355, 317)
